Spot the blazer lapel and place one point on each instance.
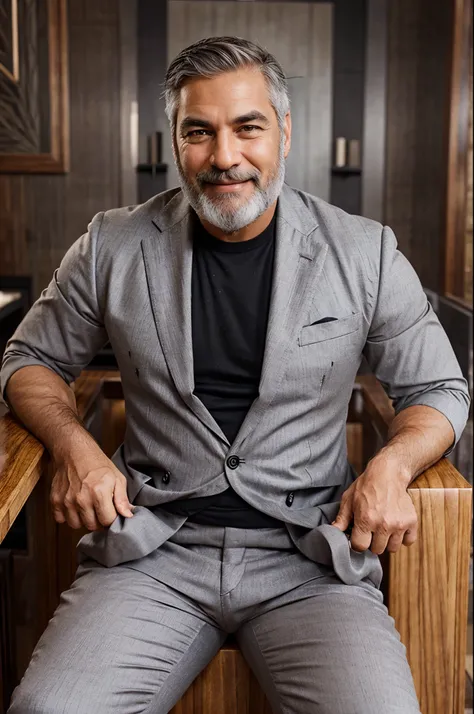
(299, 258)
(168, 257)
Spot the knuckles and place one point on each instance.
(69, 501)
(94, 492)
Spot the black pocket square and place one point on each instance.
(323, 319)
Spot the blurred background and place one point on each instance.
(381, 96)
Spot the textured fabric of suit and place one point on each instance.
(128, 280)
(124, 642)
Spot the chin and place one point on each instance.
(228, 198)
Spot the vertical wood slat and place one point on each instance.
(419, 40)
(402, 60)
(428, 596)
(7, 638)
(432, 98)
(35, 572)
(320, 100)
(13, 229)
(459, 137)
(375, 114)
(113, 417)
(227, 686)
(128, 27)
(354, 446)
(285, 34)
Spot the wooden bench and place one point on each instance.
(425, 586)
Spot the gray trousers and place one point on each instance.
(128, 642)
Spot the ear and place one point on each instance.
(287, 133)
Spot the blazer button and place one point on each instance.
(233, 461)
(166, 477)
(289, 498)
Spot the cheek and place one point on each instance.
(192, 158)
(262, 154)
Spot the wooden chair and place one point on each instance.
(425, 585)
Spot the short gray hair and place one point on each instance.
(215, 55)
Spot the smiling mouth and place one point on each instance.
(227, 183)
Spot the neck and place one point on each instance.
(251, 231)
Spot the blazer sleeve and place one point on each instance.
(408, 349)
(64, 328)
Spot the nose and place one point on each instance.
(225, 153)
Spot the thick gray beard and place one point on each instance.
(220, 213)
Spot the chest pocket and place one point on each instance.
(329, 330)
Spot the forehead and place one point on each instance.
(226, 95)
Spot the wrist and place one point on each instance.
(389, 461)
(74, 444)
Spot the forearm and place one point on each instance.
(418, 437)
(46, 405)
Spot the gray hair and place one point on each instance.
(215, 55)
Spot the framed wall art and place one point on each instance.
(34, 121)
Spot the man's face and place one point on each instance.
(229, 149)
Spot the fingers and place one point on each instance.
(380, 540)
(101, 498)
(364, 537)
(86, 509)
(59, 489)
(122, 504)
(69, 509)
(101, 495)
(361, 537)
(411, 535)
(344, 517)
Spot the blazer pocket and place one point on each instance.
(320, 331)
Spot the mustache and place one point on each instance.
(214, 176)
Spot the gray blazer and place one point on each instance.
(127, 280)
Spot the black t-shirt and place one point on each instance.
(231, 285)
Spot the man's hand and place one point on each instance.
(380, 507)
(89, 492)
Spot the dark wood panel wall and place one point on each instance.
(41, 216)
(152, 28)
(419, 37)
(348, 93)
(375, 110)
(419, 45)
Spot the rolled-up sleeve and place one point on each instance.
(407, 347)
(64, 329)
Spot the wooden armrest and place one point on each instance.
(25, 457)
(426, 584)
(21, 470)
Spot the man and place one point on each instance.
(239, 310)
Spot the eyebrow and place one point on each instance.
(190, 121)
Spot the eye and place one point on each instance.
(249, 128)
(197, 132)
